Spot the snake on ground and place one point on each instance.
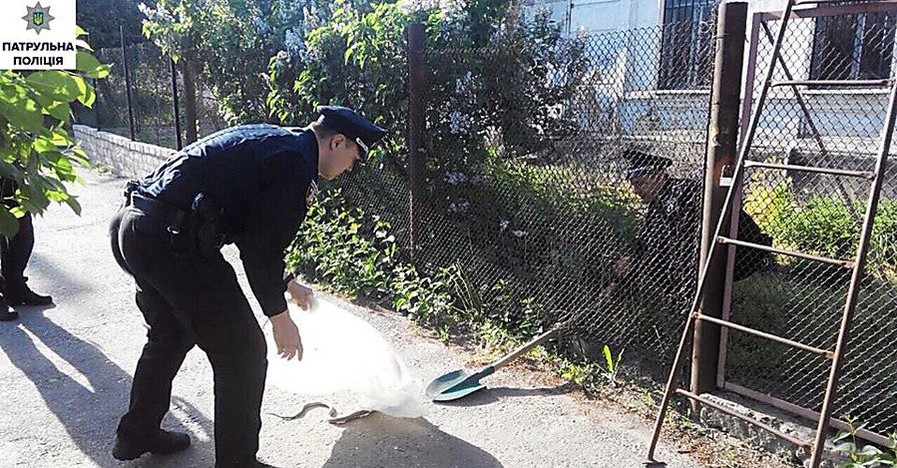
(334, 419)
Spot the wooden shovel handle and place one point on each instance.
(523, 349)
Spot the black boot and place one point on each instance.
(6, 312)
(23, 295)
(164, 442)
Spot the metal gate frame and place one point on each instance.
(766, 12)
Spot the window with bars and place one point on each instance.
(853, 47)
(687, 48)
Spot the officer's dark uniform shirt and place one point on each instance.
(260, 175)
(667, 248)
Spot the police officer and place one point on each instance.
(666, 251)
(15, 252)
(249, 185)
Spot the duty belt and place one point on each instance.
(157, 209)
(173, 217)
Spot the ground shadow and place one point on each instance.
(89, 412)
(383, 441)
(490, 395)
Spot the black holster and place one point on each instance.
(210, 232)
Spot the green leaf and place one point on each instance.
(44, 145)
(9, 225)
(79, 156)
(84, 45)
(869, 451)
(56, 84)
(23, 113)
(64, 169)
(60, 138)
(609, 357)
(841, 436)
(72, 202)
(90, 66)
(33, 198)
(79, 31)
(57, 109)
(9, 171)
(87, 96)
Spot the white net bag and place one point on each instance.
(346, 364)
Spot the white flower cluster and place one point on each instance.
(503, 224)
(260, 24)
(452, 9)
(459, 123)
(455, 177)
(459, 207)
(158, 14)
(464, 84)
(294, 42)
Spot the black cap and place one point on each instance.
(352, 124)
(641, 163)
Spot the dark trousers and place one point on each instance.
(14, 255)
(190, 300)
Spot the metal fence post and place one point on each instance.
(190, 110)
(177, 110)
(124, 60)
(96, 103)
(721, 149)
(417, 45)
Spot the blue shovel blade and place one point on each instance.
(457, 384)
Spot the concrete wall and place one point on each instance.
(120, 155)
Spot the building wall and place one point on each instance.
(626, 46)
(603, 15)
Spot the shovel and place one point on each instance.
(459, 383)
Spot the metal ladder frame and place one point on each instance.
(733, 199)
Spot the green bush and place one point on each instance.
(824, 225)
(488, 70)
(356, 254)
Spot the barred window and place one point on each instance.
(687, 52)
(853, 47)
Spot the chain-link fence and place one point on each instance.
(546, 194)
(820, 214)
(527, 191)
(150, 107)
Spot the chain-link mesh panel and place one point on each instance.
(152, 97)
(822, 215)
(528, 193)
(151, 94)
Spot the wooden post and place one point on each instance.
(721, 151)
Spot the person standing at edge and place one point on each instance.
(250, 185)
(15, 252)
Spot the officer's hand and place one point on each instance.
(301, 294)
(622, 266)
(286, 336)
